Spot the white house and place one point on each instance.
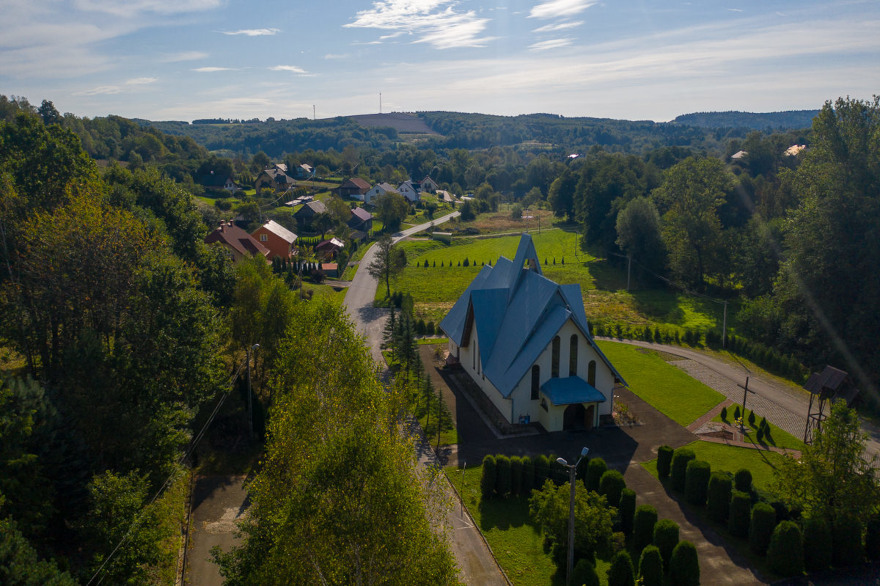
(525, 341)
(377, 190)
(409, 190)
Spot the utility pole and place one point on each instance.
(380, 102)
(746, 391)
(572, 468)
(314, 115)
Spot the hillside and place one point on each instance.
(789, 120)
(400, 121)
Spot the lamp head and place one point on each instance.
(584, 452)
(562, 461)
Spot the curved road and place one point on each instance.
(474, 558)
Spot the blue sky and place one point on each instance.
(632, 59)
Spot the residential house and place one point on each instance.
(525, 342)
(378, 190)
(278, 239)
(361, 220)
(273, 178)
(328, 249)
(307, 213)
(429, 185)
(410, 191)
(355, 188)
(239, 243)
(304, 172)
(215, 182)
(445, 196)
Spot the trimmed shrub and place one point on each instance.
(738, 519)
(610, 485)
(584, 573)
(596, 468)
(846, 541)
(680, 459)
(627, 510)
(697, 481)
(643, 526)
(516, 472)
(724, 414)
(542, 471)
(666, 538)
(742, 480)
(785, 555)
(664, 461)
(684, 568)
(651, 567)
(502, 475)
(621, 572)
(558, 472)
(872, 538)
(763, 521)
(487, 480)
(528, 476)
(718, 496)
(752, 419)
(817, 545)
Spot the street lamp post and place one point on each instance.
(572, 469)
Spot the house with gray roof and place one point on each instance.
(526, 343)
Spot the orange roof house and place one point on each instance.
(278, 239)
(239, 243)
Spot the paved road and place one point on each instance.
(472, 555)
(785, 407)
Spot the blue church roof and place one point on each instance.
(517, 312)
(570, 390)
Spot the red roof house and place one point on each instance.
(278, 239)
(239, 243)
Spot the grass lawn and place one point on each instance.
(516, 543)
(761, 463)
(669, 389)
(778, 437)
(326, 292)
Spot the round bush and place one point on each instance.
(487, 480)
(680, 459)
(785, 555)
(502, 475)
(718, 496)
(684, 568)
(643, 526)
(595, 470)
(584, 574)
(627, 510)
(542, 471)
(817, 545)
(740, 510)
(516, 472)
(872, 538)
(846, 541)
(697, 481)
(611, 485)
(664, 461)
(763, 521)
(528, 476)
(666, 538)
(621, 572)
(651, 567)
(742, 480)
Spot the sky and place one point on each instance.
(626, 59)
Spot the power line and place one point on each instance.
(171, 477)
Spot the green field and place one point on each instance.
(761, 463)
(669, 389)
(516, 543)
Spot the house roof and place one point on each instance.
(517, 312)
(362, 214)
(311, 208)
(384, 187)
(570, 390)
(280, 231)
(355, 182)
(332, 243)
(237, 239)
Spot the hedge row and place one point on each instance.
(504, 476)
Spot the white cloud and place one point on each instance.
(254, 32)
(185, 56)
(551, 44)
(131, 8)
(103, 90)
(290, 68)
(212, 69)
(141, 81)
(333, 56)
(552, 28)
(435, 22)
(560, 8)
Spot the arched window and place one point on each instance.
(573, 356)
(591, 373)
(554, 365)
(536, 381)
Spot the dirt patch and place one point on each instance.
(502, 222)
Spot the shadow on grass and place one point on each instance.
(504, 513)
